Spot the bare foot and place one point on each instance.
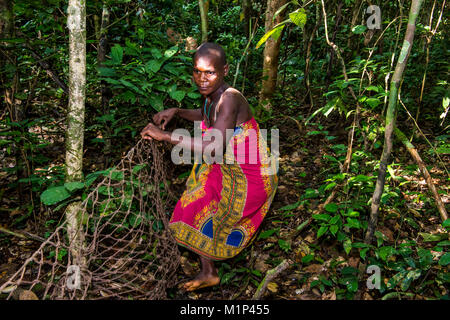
(202, 281)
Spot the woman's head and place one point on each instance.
(210, 67)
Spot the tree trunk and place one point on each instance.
(11, 86)
(103, 48)
(333, 39)
(423, 168)
(270, 55)
(246, 11)
(6, 19)
(390, 117)
(204, 6)
(76, 23)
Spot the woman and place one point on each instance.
(224, 203)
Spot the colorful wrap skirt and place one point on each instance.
(224, 203)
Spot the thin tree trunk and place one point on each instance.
(76, 23)
(390, 117)
(270, 55)
(308, 59)
(11, 86)
(204, 6)
(246, 10)
(415, 155)
(333, 39)
(103, 48)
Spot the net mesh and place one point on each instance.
(122, 247)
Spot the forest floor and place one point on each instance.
(301, 167)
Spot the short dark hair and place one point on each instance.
(211, 48)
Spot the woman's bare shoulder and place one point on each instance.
(234, 95)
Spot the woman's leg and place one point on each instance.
(206, 278)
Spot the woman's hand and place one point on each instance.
(161, 119)
(153, 132)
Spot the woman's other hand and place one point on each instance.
(161, 119)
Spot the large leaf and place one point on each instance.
(445, 259)
(54, 195)
(156, 102)
(298, 17)
(359, 29)
(275, 33)
(117, 54)
(170, 52)
(72, 186)
(153, 65)
(177, 95)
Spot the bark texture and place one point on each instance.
(204, 6)
(271, 54)
(76, 23)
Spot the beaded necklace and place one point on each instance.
(209, 109)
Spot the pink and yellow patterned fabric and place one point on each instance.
(224, 204)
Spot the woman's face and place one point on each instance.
(208, 74)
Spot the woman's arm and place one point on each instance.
(190, 114)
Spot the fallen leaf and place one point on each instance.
(353, 262)
(272, 287)
(313, 268)
(367, 296)
(27, 295)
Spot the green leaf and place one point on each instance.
(334, 229)
(321, 217)
(373, 88)
(322, 231)
(373, 102)
(117, 54)
(280, 10)
(335, 219)
(266, 234)
(446, 224)
(72, 186)
(331, 207)
(156, 101)
(194, 95)
(153, 66)
(177, 95)
(285, 245)
(308, 258)
(410, 276)
(445, 259)
(330, 186)
(359, 29)
(54, 195)
(289, 207)
(363, 253)
(353, 223)
(227, 277)
(170, 52)
(385, 252)
(347, 245)
(275, 33)
(106, 72)
(428, 237)
(443, 243)
(156, 53)
(298, 17)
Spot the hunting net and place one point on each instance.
(119, 248)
